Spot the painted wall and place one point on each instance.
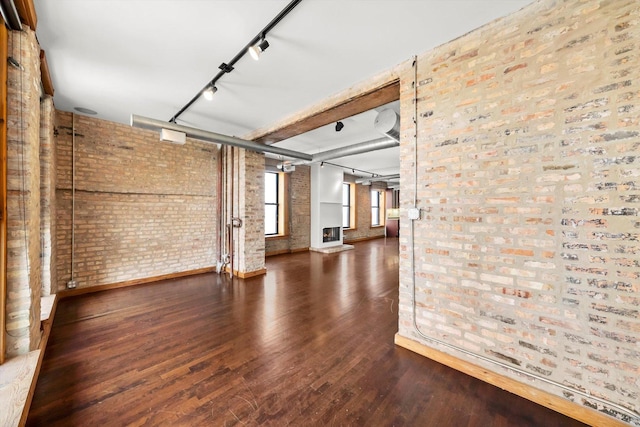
(527, 251)
(144, 208)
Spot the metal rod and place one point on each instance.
(262, 34)
(73, 193)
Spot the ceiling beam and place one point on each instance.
(377, 91)
(47, 83)
(27, 12)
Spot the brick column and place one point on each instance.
(247, 203)
(23, 195)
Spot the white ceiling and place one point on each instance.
(123, 57)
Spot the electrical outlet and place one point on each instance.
(71, 284)
(414, 213)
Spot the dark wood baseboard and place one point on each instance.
(286, 251)
(247, 274)
(362, 239)
(46, 332)
(90, 289)
(525, 391)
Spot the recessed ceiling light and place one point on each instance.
(85, 111)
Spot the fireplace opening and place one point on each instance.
(331, 234)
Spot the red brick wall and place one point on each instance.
(363, 229)
(144, 208)
(528, 181)
(299, 204)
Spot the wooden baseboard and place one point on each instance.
(362, 239)
(278, 252)
(90, 289)
(247, 274)
(46, 332)
(286, 251)
(548, 400)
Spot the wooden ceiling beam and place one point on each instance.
(373, 93)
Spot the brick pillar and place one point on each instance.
(23, 195)
(47, 195)
(249, 245)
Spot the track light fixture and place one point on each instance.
(255, 47)
(339, 126)
(256, 50)
(321, 164)
(208, 93)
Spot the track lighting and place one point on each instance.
(322, 164)
(339, 126)
(258, 48)
(208, 94)
(225, 68)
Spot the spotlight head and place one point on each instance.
(208, 94)
(258, 48)
(339, 126)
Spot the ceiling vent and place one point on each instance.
(387, 122)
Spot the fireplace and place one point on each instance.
(331, 234)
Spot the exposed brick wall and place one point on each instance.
(23, 195)
(47, 195)
(250, 244)
(528, 180)
(299, 205)
(144, 208)
(363, 228)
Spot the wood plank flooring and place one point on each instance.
(309, 344)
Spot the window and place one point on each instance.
(271, 203)
(346, 205)
(376, 211)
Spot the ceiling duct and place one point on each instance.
(367, 181)
(387, 122)
(349, 150)
(217, 138)
(10, 15)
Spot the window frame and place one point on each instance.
(379, 198)
(351, 206)
(281, 213)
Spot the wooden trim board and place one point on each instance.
(81, 291)
(46, 332)
(47, 83)
(362, 239)
(247, 274)
(526, 391)
(286, 251)
(27, 12)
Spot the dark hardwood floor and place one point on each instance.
(309, 344)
